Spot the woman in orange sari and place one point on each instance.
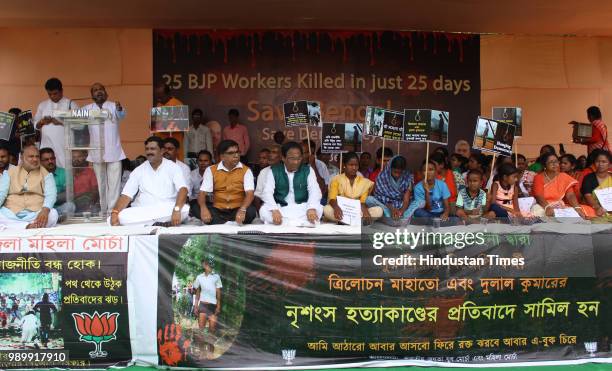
(553, 189)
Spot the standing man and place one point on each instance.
(198, 138)
(45, 307)
(238, 133)
(28, 193)
(161, 188)
(113, 152)
(52, 129)
(599, 136)
(208, 302)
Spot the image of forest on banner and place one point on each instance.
(279, 300)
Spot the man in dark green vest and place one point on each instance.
(291, 195)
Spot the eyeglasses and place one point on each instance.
(232, 153)
(295, 159)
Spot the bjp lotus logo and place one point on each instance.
(97, 329)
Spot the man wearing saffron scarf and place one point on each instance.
(291, 195)
(599, 136)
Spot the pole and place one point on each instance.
(308, 138)
(382, 156)
(491, 174)
(426, 163)
(340, 163)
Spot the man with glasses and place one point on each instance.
(291, 194)
(232, 185)
(28, 193)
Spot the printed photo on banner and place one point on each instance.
(300, 113)
(425, 125)
(337, 138)
(202, 302)
(29, 306)
(374, 119)
(170, 118)
(510, 115)
(6, 125)
(494, 136)
(393, 125)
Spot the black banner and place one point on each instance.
(418, 294)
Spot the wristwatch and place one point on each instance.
(176, 208)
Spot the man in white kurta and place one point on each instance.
(160, 189)
(110, 160)
(51, 128)
(291, 213)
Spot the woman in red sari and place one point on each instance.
(553, 189)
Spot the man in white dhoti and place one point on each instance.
(110, 160)
(291, 194)
(29, 325)
(51, 128)
(28, 193)
(161, 188)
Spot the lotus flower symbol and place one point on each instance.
(97, 329)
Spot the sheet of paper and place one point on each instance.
(604, 196)
(567, 212)
(351, 210)
(525, 204)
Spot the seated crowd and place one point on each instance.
(292, 183)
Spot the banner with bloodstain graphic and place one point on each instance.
(258, 71)
(282, 300)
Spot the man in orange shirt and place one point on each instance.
(163, 98)
(238, 133)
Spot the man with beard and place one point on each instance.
(85, 185)
(171, 147)
(48, 161)
(161, 188)
(5, 164)
(113, 154)
(195, 181)
(28, 193)
(274, 157)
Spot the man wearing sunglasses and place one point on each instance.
(232, 185)
(28, 193)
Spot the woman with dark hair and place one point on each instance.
(445, 174)
(599, 180)
(539, 165)
(553, 189)
(45, 307)
(392, 191)
(567, 164)
(350, 185)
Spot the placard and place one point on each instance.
(374, 118)
(494, 136)
(170, 118)
(6, 125)
(510, 115)
(300, 113)
(425, 125)
(341, 138)
(393, 125)
(24, 123)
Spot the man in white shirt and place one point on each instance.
(5, 165)
(207, 287)
(171, 147)
(161, 188)
(291, 194)
(113, 152)
(52, 129)
(319, 166)
(274, 157)
(198, 138)
(195, 181)
(232, 186)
